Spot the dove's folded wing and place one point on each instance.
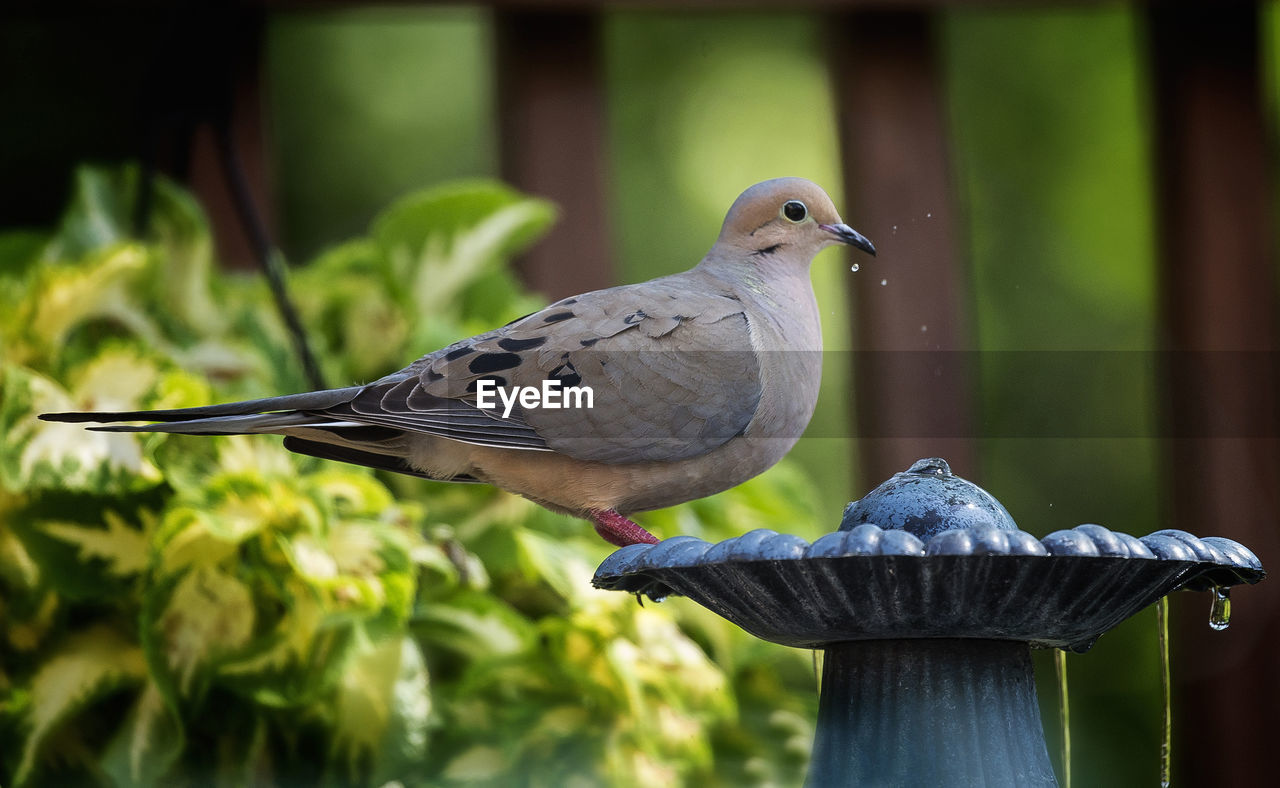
(671, 375)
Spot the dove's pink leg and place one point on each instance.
(618, 530)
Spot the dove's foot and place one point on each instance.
(618, 530)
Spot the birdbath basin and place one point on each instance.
(926, 602)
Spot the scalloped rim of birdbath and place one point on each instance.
(1062, 591)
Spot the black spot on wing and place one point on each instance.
(556, 317)
(493, 362)
(516, 345)
(567, 374)
(588, 342)
(433, 376)
(634, 317)
(457, 353)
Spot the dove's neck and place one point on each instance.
(777, 291)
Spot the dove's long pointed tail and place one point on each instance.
(302, 418)
(309, 401)
(233, 418)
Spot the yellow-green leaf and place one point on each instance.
(64, 297)
(51, 454)
(123, 547)
(381, 680)
(89, 663)
(148, 742)
(477, 764)
(209, 615)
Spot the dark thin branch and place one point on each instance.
(270, 260)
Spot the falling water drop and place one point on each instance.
(1220, 609)
(928, 216)
(1166, 727)
(854, 268)
(1064, 714)
(884, 282)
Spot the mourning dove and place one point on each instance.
(697, 382)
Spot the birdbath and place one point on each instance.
(927, 602)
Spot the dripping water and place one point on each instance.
(1166, 726)
(1064, 714)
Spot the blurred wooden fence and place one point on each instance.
(1217, 273)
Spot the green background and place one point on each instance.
(1050, 121)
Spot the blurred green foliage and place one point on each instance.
(180, 610)
(372, 104)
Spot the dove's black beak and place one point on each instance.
(847, 235)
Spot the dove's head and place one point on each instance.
(787, 215)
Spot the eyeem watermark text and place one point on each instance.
(552, 395)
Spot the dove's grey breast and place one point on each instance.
(788, 342)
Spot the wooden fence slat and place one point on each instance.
(551, 115)
(1218, 295)
(897, 180)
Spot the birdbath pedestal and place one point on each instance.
(926, 603)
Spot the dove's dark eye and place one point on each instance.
(794, 211)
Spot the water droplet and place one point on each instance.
(854, 268)
(928, 216)
(884, 282)
(923, 329)
(1220, 609)
(895, 229)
